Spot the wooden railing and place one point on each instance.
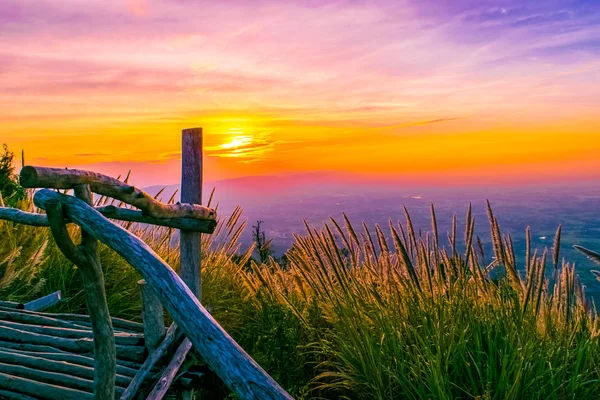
(179, 295)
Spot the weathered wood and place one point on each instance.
(30, 347)
(222, 354)
(23, 217)
(40, 390)
(191, 192)
(44, 302)
(84, 320)
(145, 370)
(62, 367)
(152, 315)
(86, 257)
(127, 339)
(8, 395)
(167, 377)
(36, 319)
(121, 214)
(189, 224)
(82, 345)
(57, 178)
(12, 304)
(78, 359)
(53, 378)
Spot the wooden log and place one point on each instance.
(23, 217)
(36, 319)
(79, 359)
(62, 367)
(53, 378)
(86, 257)
(121, 214)
(8, 395)
(79, 318)
(127, 339)
(222, 354)
(40, 390)
(44, 302)
(81, 345)
(152, 315)
(189, 224)
(146, 369)
(30, 347)
(167, 377)
(191, 192)
(57, 178)
(12, 304)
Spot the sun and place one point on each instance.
(237, 141)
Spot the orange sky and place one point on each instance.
(460, 95)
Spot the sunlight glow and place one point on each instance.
(237, 141)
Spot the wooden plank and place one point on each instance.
(44, 302)
(191, 192)
(166, 379)
(58, 178)
(152, 315)
(145, 371)
(222, 354)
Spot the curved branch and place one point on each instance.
(87, 260)
(58, 227)
(57, 178)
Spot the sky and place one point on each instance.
(428, 91)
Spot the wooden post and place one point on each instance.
(191, 192)
(190, 242)
(153, 317)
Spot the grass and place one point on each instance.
(366, 314)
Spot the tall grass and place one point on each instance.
(368, 314)
(406, 318)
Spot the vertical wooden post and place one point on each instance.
(190, 245)
(191, 192)
(152, 316)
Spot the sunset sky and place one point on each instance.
(431, 91)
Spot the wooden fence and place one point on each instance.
(161, 286)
